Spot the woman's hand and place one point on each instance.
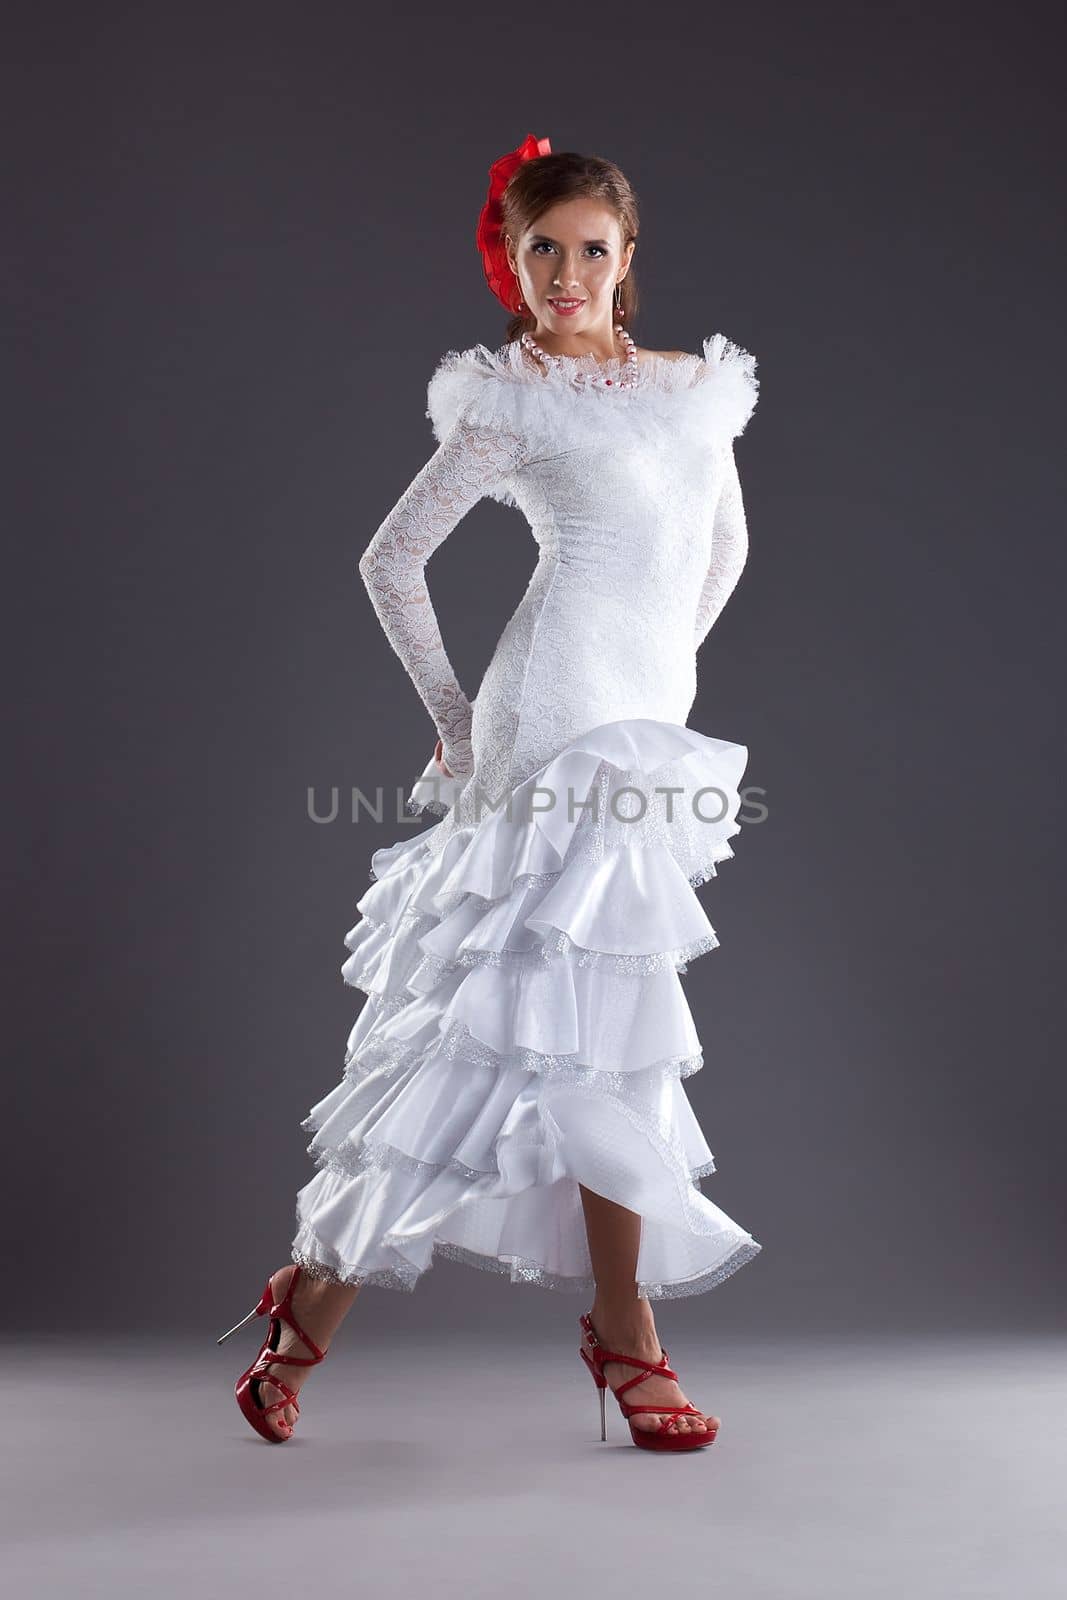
(456, 760)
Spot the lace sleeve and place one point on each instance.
(729, 551)
(469, 462)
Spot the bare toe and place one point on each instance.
(283, 1419)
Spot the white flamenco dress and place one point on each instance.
(525, 1028)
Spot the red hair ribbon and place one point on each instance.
(489, 233)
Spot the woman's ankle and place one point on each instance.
(322, 1305)
(627, 1319)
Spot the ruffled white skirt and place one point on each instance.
(525, 1029)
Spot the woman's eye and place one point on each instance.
(543, 244)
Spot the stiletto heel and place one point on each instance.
(247, 1388)
(256, 1311)
(601, 1384)
(596, 1357)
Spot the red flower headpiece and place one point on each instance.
(489, 233)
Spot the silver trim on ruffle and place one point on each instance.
(457, 1040)
(519, 1269)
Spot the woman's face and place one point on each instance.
(573, 252)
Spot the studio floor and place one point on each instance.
(845, 1470)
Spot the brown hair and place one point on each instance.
(545, 181)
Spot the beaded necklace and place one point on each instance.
(627, 379)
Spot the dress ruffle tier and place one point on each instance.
(525, 1028)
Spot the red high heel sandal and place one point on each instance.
(596, 1358)
(247, 1387)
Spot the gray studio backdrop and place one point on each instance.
(238, 240)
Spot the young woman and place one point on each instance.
(512, 1092)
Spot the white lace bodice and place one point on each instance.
(633, 497)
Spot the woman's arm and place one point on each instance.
(466, 465)
(729, 551)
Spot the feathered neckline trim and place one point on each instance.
(709, 396)
(653, 368)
